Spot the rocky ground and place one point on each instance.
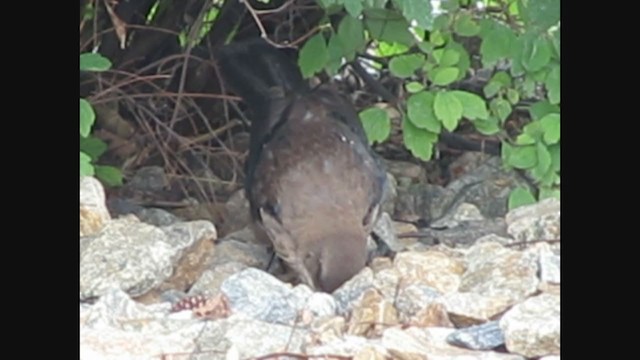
(477, 283)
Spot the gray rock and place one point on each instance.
(504, 241)
(549, 264)
(532, 328)
(184, 234)
(371, 314)
(385, 231)
(211, 280)
(467, 309)
(93, 211)
(423, 201)
(148, 179)
(535, 222)
(353, 289)
(346, 345)
(431, 343)
(386, 281)
(465, 234)
(317, 303)
(413, 298)
(253, 338)
(404, 169)
(487, 186)
(119, 206)
(495, 271)
(157, 217)
(462, 213)
(231, 250)
(480, 337)
(432, 268)
(327, 329)
(134, 256)
(390, 194)
(261, 296)
(116, 327)
(237, 213)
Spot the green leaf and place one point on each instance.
(353, 7)
(486, 26)
(376, 123)
(86, 169)
(441, 22)
(551, 178)
(542, 108)
(536, 53)
(487, 127)
(527, 87)
(436, 38)
(525, 139)
(519, 197)
(491, 89)
(379, 4)
(414, 87)
(420, 111)
(313, 56)
(551, 125)
(385, 49)
(463, 63)
(87, 118)
(534, 129)
(448, 109)
(450, 5)
(513, 96)
(418, 10)
(109, 175)
(555, 40)
(351, 34)
(516, 54)
(426, 47)
(553, 84)
(442, 76)
(554, 150)
(325, 4)
(418, 141)
(94, 62)
(449, 57)
(405, 65)
(540, 14)
(547, 192)
(501, 108)
(496, 44)
(335, 50)
(541, 75)
(465, 25)
(544, 159)
(437, 55)
(386, 25)
(513, 9)
(506, 154)
(473, 106)
(93, 147)
(501, 78)
(523, 157)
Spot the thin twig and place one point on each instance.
(256, 19)
(195, 29)
(276, 10)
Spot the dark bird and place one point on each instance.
(313, 183)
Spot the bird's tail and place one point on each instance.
(253, 68)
